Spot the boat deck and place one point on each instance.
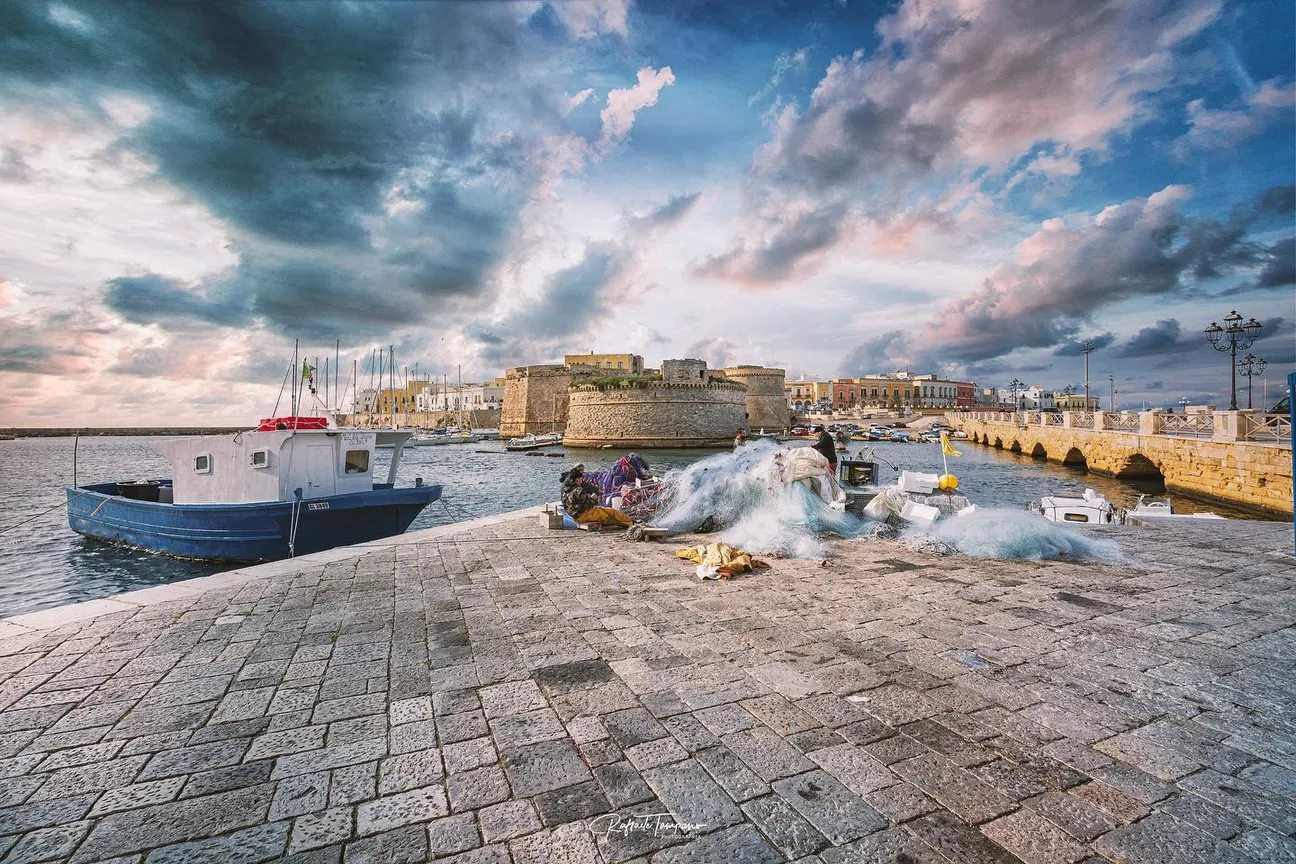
(501, 691)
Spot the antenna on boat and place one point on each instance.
(75, 441)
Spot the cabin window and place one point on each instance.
(1075, 517)
(202, 464)
(357, 462)
(260, 458)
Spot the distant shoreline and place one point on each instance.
(62, 432)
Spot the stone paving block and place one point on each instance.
(1115, 803)
(584, 730)
(831, 808)
(312, 761)
(580, 802)
(766, 753)
(831, 711)
(460, 727)
(622, 784)
(1162, 838)
(1273, 777)
(530, 727)
(633, 726)
(1033, 839)
(189, 760)
(1245, 799)
(225, 779)
(895, 749)
(731, 773)
(215, 732)
(901, 802)
(857, 771)
(892, 846)
(477, 788)
(567, 844)
(304, 793)
(600, 752)
(1072, 815)
(452, 834)
(1265, 845)
(248, 846)
(177, 822)
(466, 755)
(650, 754)
(690, 732)
(288, 741)
(16, 790)
(46, 844)
(742, 843)
(514, 697)
(351, 784)
(410, 710)
(78, 756)
(726, 719)
(957, 841)
(243, 704)
(1204, 816)
(815, 739)
(691, 796)
(98, 777)
(784, 827)
(502, 822)
(409, 771)
(324, 828)
(544, 766)
(404, 808)
(407, 845)
(357, 729)
(957, 789)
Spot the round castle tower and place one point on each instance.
(687, 407)
(766, 402)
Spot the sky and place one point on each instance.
(970, 188)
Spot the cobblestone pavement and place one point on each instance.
(488, 699)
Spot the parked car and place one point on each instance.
(1283, 406)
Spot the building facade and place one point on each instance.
(625, 364)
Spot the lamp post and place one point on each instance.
(1111, 391)
(1014, 384)
(1086, 348)
(1233, 335)
(1249, 367)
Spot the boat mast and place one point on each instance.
(391, 372)
(296, 371)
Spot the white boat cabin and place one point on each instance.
(1090, 509)
(253, 467)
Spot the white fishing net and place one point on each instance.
(1002, 533)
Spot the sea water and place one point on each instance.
(43, 563)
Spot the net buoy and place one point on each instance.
(947, 482)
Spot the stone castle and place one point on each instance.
(684, 405)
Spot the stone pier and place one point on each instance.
(495, 692)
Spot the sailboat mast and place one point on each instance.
(296, 372)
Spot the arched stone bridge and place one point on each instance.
(1202, 456)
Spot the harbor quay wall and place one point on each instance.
(1252, 474)
(767, 406)
(656, 415)
(535, 400)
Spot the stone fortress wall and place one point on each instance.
(535, 400)
(766, 402)
(688, 407)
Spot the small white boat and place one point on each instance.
(1149, 507)
(437, 439)
(1089, 509)
(533, 442)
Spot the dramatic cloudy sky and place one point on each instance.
(969, 187)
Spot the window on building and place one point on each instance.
(357, 462)
(619, 365)
(202, 464)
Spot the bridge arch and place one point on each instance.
(1016, 447)
(998, 443)
(1142, 472)
(1038, 451)
(1075, 459)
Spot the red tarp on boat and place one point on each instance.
(270, 424)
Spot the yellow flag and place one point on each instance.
(947, 448)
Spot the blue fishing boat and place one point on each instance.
(275, 492)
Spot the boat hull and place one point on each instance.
(244, 532)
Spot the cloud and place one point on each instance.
(958, 87)
(717, 351)
(585, 19)
(783, 64)
(623, 104)
(153, 299)
(1225, 128)
(789, 240)
(351, 187)
(1075, 347)
(1163, 338)
(671, 212)
(1069, 270)
(47, 342)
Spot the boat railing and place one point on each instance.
(1265, 427)
(1194, 425)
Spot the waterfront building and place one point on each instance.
(1074, 402)
(800, 395)
(1036, 398)
(625, 364)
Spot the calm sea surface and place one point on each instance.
(43, 563)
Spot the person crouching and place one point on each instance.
(580, 498)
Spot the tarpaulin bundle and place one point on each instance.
(719, 560)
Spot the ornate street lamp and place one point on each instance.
(1086, 348)
(1234, 335)
(1014, 384)
(1249, 367)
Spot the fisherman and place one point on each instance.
(740, 439)
(580, 498)
(824, 445)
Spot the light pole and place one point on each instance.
(1111, 391)
(1086, 348)
(1183, 404)
(1014, 384)
(1249, 367)
(1239, 335)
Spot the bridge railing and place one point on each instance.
(1121, 421)
(1265, 427)
(1081, 420)
(1200, 425)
